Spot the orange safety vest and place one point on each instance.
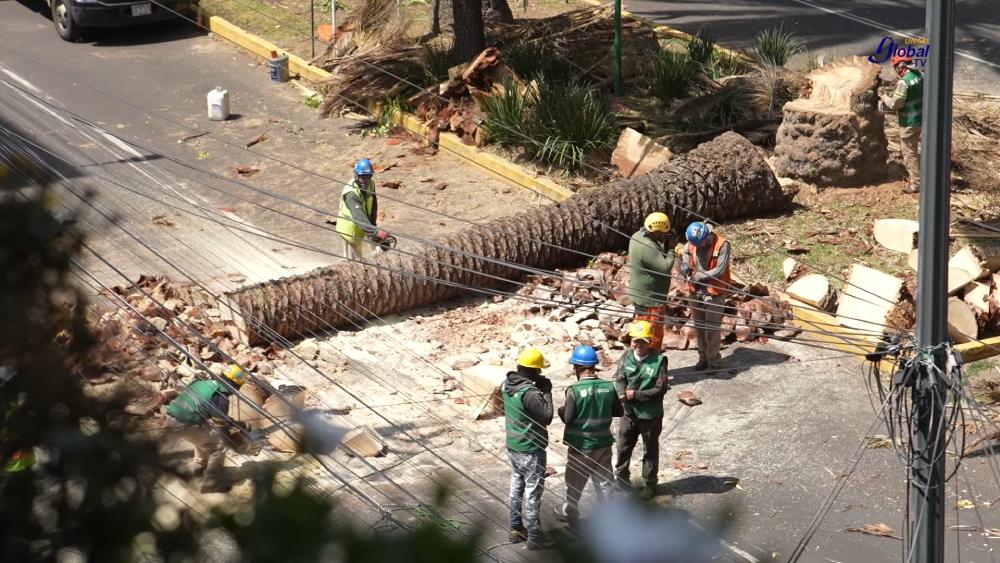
(716, 286)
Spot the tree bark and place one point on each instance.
(470, 37)
(722, 179)
(497, 11)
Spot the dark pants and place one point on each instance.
(629, 430)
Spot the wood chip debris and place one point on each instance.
(878, 529)
(260, 139)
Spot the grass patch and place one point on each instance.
(701, 49)
(671, 75)
(533, 60)
(313, 101)
(437, 59)
(506, 114)
(774, 46)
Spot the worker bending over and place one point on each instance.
(706, 269)
(591, 403)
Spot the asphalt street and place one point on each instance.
(833, 29)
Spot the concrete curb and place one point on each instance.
(514, 174)
(261, 47)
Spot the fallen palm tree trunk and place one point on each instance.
(723, 179)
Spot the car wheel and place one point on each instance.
(62, 18)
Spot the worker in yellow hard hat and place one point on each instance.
(651, 262)
(197, 414)
(641, 383)
(527, 402)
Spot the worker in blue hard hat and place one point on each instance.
(590, 405)
(706, 268)
(358, 214)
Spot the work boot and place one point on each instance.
(541, 543)
(518, 535)
(701, 365)
(564, 514)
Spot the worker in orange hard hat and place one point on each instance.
(908, 99)
(651, 262)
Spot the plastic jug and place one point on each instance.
(218, 104)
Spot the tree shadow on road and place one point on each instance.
(740, 360)
(697, 485)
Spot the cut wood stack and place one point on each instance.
(973, 278)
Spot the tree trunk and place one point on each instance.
(722, 179)
(470, 38)
(497, 11)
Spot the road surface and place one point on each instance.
(835, 29)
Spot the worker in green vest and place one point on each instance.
(591, 403)
(908, 99)
(527, 405)
(358, 213)
(641, 383)
(191, 416)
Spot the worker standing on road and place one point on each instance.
(907, 100)
(591, 403)
(358, 214)
(195, 415)
(650, 262)
(527, 404)
(641, 383)
(706, 269)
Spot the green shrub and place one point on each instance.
(532, 59)
(721, 109)
(701, 48)
(670, 75)
(569, 121)
(726, 64)
(775, 46)
(506, 114)
(437, 60)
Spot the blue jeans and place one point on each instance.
(527, 475)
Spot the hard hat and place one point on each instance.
(364, 167)
(641, 330)
(584, 356)
(896, 59)
(697, 232)
(236, 374)
(532, 358)
(657, 222)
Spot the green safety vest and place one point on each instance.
(524, 434)
(911, 114)
(591, 429)
(642, 376)
(191, 407)
(345, 226)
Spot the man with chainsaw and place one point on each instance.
(907, 100)
(199, 415)
(358, 213)
(706, 268)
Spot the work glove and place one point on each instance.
(544, 385)
(383, 239)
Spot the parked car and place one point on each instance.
(71, 17)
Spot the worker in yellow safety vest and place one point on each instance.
(357, 215)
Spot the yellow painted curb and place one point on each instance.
(262, 47)
(828, 331)
(986, 348)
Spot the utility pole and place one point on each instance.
(618, 48)
(927, 490)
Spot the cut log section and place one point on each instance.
(363, 442)
(966, 259)
(867, 299)
(815, 290)
(285, 435)
(241, 411)
(896, 234)
(990, 256)
(958, 278)
(793, 269)
(637, 154)
(977, 295)
(962, 325)
(912, 259)
(482, 383)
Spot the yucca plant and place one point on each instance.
(569, 121)
(726, 64)
(670, 75)
(774, 46)
(506, 113)
(437, 60)
(532, 59)
(701, 48)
